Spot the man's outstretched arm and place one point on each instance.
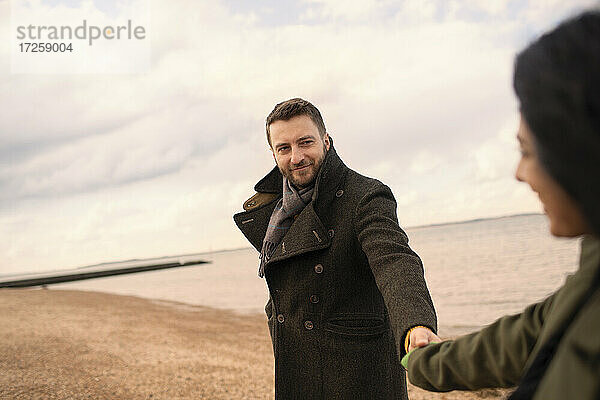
(397, 269)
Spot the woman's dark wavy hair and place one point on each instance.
(557, 81)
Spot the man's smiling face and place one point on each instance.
(298, 149)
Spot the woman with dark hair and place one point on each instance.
(552, 349)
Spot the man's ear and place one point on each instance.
(326, 141)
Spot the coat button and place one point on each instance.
(339, 193)
(314, 299)
(280, 318)
(309, 325)
(318, 268)
(331, 232)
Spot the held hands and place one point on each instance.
(419, 337)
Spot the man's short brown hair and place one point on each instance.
(291, 108)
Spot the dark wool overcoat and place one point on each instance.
(344, 287)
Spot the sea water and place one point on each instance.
(476, 272)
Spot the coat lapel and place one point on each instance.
(253, 223)
(254, 219)
(306, 234)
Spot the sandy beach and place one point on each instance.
(59, 344)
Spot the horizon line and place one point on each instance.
(225, 250)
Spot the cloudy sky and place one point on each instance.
(104, 167)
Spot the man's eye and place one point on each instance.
(282, 149)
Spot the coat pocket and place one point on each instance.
(359, 325)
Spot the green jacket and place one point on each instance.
(498, 355)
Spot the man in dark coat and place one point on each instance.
(347, 295)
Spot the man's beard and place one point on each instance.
(313, 171)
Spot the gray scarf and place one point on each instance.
(290, 205)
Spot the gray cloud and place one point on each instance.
(416, 93)
(152, 146)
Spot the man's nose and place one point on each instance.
(297, 155)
